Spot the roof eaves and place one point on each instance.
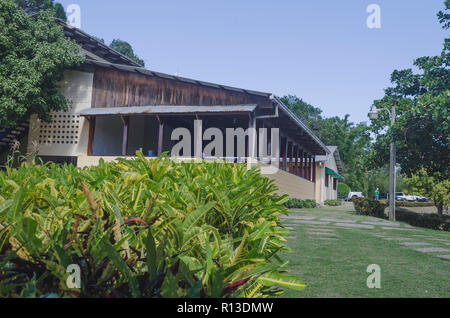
(147, 72)
(302, 125)
(93, 40)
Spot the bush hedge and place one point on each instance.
(333, 202)
(431, 221)
(370, 207)
(140, 228)
(409, 204)
(376, 209)
(294, 203)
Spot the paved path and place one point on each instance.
(325, 229)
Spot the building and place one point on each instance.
(328, 170)
(119, 107)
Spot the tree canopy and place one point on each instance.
(33, 56)
(34, 6)
(352, 139)
(126, 49)
(309, 114)
(422, 101)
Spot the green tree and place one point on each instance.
(430, 186)
(126, 49)
(34, 6)
(308, 113)
(421, 132)
(343, 190)
(33, 56)
(353, 140)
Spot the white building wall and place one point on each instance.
(67, 134)
(327, 192)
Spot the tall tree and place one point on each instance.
(421, 132)
(34, 6)
(308, 113)
(126, 49)
(352, 139)
(33, 56)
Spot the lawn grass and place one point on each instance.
(338, 268)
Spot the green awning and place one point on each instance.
(333, 173)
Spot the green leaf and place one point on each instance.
(121, 266)
(241, 251)
(152, 260)
(275, 278)
(195, 216)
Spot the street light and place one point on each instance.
(373, 114)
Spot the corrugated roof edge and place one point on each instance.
(166, 109)
(301, 124)
(147, 72)
(93, 39)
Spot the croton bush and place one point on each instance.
(141, 228)
(370, 207)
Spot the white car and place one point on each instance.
(352, 195)
(400, 196)
(419, 198)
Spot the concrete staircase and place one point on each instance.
(9, 135)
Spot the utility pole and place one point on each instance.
(373, 114)
(392, 175)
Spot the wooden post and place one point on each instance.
(291, 158)
(296, 161)
(314, 169)
(262, 143)
(269, 147)
(160, 136)
(286, 149)
(302, 161)
(198, 139)
(91, 136)
(126, 121)
(275, 146)
(308, 167)
(252, 154)
(303, 170)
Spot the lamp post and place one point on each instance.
(373, 114)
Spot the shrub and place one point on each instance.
(343, 190)
(370, 207)
(139, 228)
(431, 221)
(295, 203)
(409, 204)
(333, 202)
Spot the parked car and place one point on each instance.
(420, 198)
(400, 196)
(352, 195)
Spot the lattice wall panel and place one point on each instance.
(63, 129)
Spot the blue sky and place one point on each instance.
(321, 51)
